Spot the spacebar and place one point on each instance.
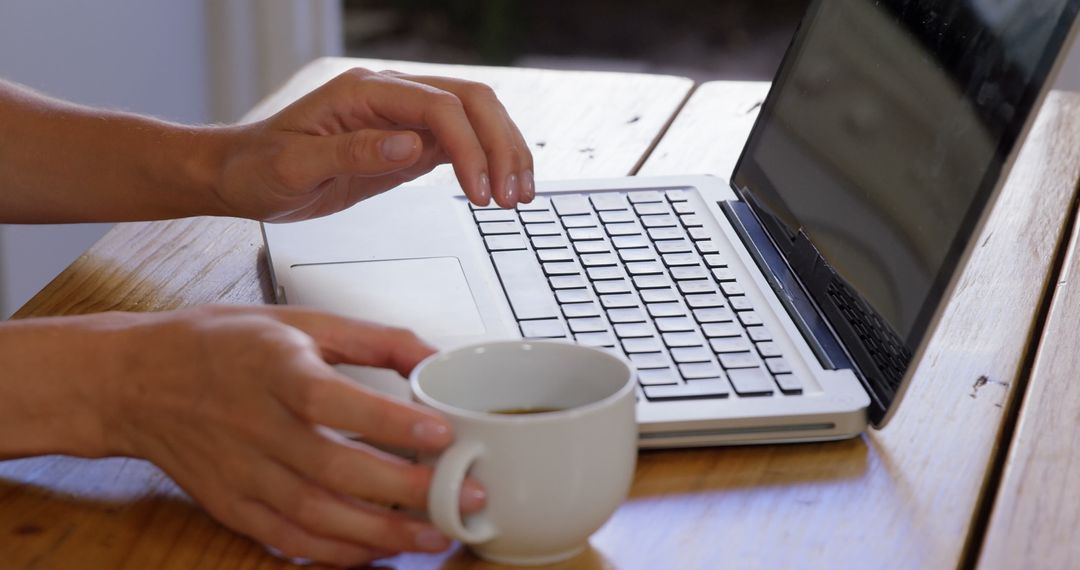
(525, 285)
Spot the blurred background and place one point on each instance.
(200, 61)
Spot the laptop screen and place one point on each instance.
(878, 148)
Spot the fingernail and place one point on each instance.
(431, 432)
(511, 189)
(484, 193)
(472, 498)
(528, 186)
(396, 148)
(431, 539)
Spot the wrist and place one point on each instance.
(194, 166)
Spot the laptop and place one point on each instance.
(790, 303)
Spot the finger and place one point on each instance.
(510, 162)
(267, 527)
(324, 514)
(312, 159)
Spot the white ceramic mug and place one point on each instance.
(552, 478)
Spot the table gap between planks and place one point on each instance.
(906, 497)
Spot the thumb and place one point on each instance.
(366, 152)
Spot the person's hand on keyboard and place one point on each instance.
(363, 133)
(237, 405)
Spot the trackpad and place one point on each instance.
(430, 296)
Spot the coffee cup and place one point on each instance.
(547, 427)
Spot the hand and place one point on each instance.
(237, 404)
(364, 133)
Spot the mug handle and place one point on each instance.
(443, 500)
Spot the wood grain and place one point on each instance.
(1037, 510)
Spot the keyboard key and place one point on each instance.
(495, 216)
(751, 382)
(608, 201)
(561, 268)
(569, 205)
(674, 246)
(700, 371)
(714, 315)
(789, 384)
(652, 281)
(494, 228)
(692, 220)
(599, 259)
(749, 318)
(703, 389)
(660, 221)
(549, 242)
(620, 301)
(649, 360)
(634, 330)
(658, 234)
(623, 229)
(555, 255)
(524, 284)
(732, 289)
(602, 273)
(586, 247)
(778, 365)
(698, 234)
(612, 286)
(541, 217)
(651, 208)
(551, 328)
(716, 260)
(681, 259)
(659, 295)
(573, 296)
(595, 339)
(723, 274)
(657, 310)
(635, 315)
(617, 216)
(584, 221)
(637, 254)
(678, 195)
(706, 301)
(683, 208)
(683, 339)
(688, 273)
(739, 360)
(769, 349)
(740, 303)
(534, 230)
(730, 344)
(759, 334)
(675, 324)
(658, 377)
(568, 282)
(633, 345)
(539, 203)
(720, 330)
(694, 286)
(584, 234)
(707, 247)
(627, 242)
(692, 354)
(584, 325)
(644, 268)
(504, 243)
(642, 196)
(579, 310)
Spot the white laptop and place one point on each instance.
(789, 304)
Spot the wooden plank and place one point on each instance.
(904, 497)
(1037, 509)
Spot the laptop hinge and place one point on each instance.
(788, 289)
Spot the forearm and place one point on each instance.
(55, 384)
(64, 163)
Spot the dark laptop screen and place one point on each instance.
(881, 141)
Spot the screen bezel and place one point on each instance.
(749, 181)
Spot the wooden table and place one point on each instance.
(917, 495)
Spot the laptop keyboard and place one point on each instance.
(636, 272)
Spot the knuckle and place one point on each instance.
(312, 397)
(357, 147)
(357, 73)
(477, 90)
(444, 100)
(418, 481)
